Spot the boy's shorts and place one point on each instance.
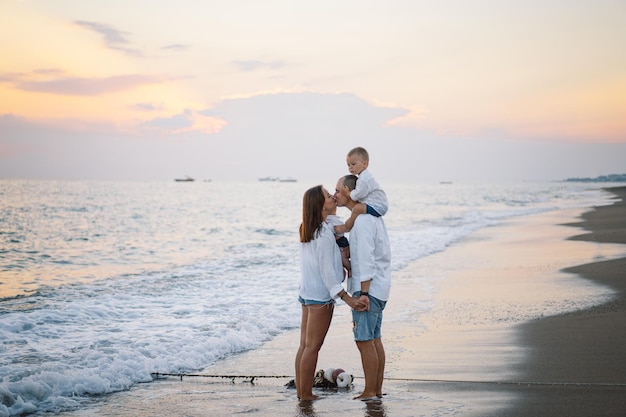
(367, 324)
(371, 210)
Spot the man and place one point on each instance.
(371, 283)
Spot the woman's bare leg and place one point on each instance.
(305, 313)
(318, 322)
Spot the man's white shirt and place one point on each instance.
(370, 256)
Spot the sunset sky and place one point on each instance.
(234, 90)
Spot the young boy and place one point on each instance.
(372, 199)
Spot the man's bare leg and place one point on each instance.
(370, 362)
(380, 351)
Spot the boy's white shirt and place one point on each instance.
(368, 191)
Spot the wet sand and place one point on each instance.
(585, 347)
(467, 354)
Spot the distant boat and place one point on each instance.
(186, 179)
(268, 179)
(445, 182)
(288, 179)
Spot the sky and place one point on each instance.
(235, 90)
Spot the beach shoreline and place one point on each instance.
(442, 362)
(582, 350)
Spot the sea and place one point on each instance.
(104, 283)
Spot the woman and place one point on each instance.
(321, 273)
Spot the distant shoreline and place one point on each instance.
(602, 178)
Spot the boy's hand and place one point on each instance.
(341, 228)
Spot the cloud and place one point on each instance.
(176, 47)
(79, 86)
(48, 71)
(146, 107)
(292, 133)
(113, 38)
(293, 112)
(10, 148)
(304, 135)
(178, 121)
(170, 124)
(247, 66)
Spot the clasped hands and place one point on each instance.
(361, 303)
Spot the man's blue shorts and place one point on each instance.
(367, 324)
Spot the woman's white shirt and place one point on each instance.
(321, 269)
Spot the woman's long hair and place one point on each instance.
(312, 206)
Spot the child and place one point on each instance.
(372, 199)
(342, 241)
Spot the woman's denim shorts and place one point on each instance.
(314, 302)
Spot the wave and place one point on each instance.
(78, 341)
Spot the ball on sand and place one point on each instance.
(336, 373)
(344, 379)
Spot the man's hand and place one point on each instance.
(357, 304)
(364, 302)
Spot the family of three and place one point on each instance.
(322, 273)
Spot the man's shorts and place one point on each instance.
(367, 324)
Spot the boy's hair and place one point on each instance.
(359, 151)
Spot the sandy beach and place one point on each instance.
(454, 359)
(584, 348)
